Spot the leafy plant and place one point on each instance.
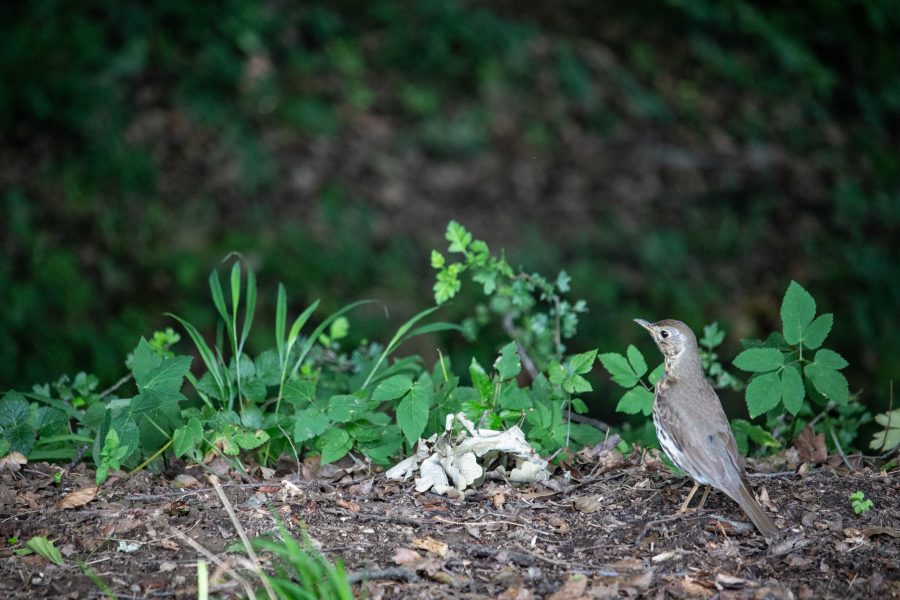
(794, 376)
(532, 309)
(860, 503)
(889, 437)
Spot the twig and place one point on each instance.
(77, 458)
(125, 379)
(214, 559)
(398, 573)
(254, 560)
(840, 450)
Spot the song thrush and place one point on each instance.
(692, 427)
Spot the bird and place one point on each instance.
(692, 427)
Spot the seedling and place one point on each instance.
(860, 503)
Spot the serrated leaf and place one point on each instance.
(392, 388)
(792, 390)
(309, 423)
(763, 393)
(514, 398)
(187, 437)
(619, 369)
(830, 359)
(636, 400)
(579, 406)
(759, 360)
(636, 360)
(481, 381)
(818, 330)
(300, 393)
(508, 364)
(437, 260)
(335, 444)
(17, 422)
(744, 430)
(797, 311)
(828, 382)
(584, 362)
(268, 367)
(412, 412)
(586, 435)
(458, 237)
(576, 384)
(248, 440)
(889, 436)
(345, 407)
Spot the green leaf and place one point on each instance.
(392, 388)
(309, 423)
(514, 398)
(792, 390)
(657, 373)
(636, 400)
(335, 444)
(830, 383)
(582, 363)
(579, 406)
(636, 360)
(797, 311)
(268, 368)
(162, 377)
(248, 440)
(345, 407)
(759, 360)
(619, 369)
(745, 431)
(830, 359)
(586, 435)
(458, 237)
(412, 412)
(508, 364)
(17, 422)
(889, 436)
(481, 381)
(818, 330)
(437, 260)
(763, 393)
(187, 437)
(301, 393)
(45, 548)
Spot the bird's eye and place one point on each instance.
(663, 334)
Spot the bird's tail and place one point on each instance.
(744, 497)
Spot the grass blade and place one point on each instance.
(250, 307)
(215, 287)
(396, 340)
(206, 354)
(280, 321)
(314, 336)
(235, 291)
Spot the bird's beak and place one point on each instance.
(645, 325)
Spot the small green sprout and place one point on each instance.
(860, 503)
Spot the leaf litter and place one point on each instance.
(610, 530)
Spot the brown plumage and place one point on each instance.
(692, 427)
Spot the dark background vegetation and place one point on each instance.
(685, 159)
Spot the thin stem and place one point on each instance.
(151, 459)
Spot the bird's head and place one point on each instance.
(672, 337)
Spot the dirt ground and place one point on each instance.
(611, 530)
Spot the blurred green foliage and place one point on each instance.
(142, 141)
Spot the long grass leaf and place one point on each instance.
(235, 291)
(314, 336)
(250, 307)
(280, 322)
(431, 328)
(206, 354)
(395, 341)
(215, 287)
(299, 322)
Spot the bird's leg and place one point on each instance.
(703, 499)
(687, 501)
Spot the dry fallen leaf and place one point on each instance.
(573, 589)
(406, 556)
(811, 446)
(351, 506)
(498, 500)
(429, 544)
(77, 498)
(186, 481)
(763, 495)
(589, 504)
(13, 462)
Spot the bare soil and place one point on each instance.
(611, 530)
